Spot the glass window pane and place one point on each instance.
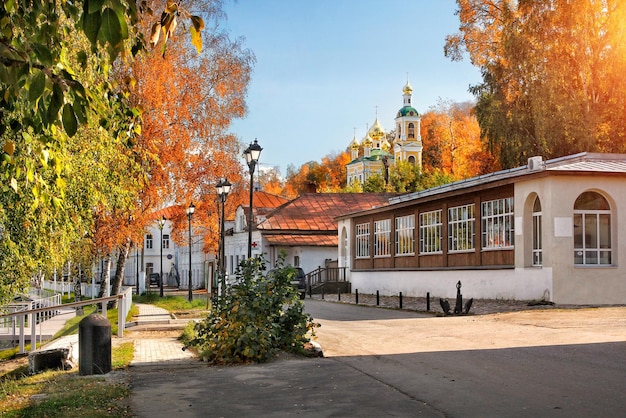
(591, 201)
(578, 231)
(591, 257)
(605, 257)
(591, 232)
(605, 231)
(578, 257)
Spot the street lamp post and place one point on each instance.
(190, 210)
(223, 188)
(161, 225)
(252, 153)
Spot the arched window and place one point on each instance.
(399, 131)
(592, 230)
(411, 159)
(411, 130)
(537, 243)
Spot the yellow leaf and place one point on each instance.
(14, 184)
(196, 39)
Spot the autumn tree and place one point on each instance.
(552, 75)
(327, 176)
(188, 101)
(271, 181)
(452, 142)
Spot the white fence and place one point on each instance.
(88, 290)
(7, 323)
(19, 316)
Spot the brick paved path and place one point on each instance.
(157, 351)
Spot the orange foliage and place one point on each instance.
(329, 176)
(452, 142)
(189, 101)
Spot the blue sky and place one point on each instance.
(325, 66)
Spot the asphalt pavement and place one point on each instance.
(382, 362)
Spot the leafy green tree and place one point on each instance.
(254, 318)
(375, 183)
(70, 168)
(55, 59)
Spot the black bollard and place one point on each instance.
(94, 344)
(339, 295)
(377, 298)
(356, 294)
(322, 292)
(427, 301)
(400, 300)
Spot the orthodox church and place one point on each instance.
(375, 154)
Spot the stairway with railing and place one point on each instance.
(328, 280)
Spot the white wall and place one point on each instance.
(520, 284)
(578, 284)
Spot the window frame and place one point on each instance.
(382, 238)
(431, 232)
(362, 240)
(462, 218)
(498, 224)
(149, 241)
(584, 218)
(405, 235)
(537, 238)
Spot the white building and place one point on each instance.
(550, 230)
(146, 257)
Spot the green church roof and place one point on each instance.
(407, 111)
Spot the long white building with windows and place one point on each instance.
(550, 230)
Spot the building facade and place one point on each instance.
(551, 230)
(304, 230)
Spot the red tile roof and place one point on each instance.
(302, 240)
(317, 211)
(267, 200)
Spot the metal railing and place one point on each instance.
(86, 289)
(19, 318)
(326, 274)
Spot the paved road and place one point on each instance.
(388, 363)
(526, 364)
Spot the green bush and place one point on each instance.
(254, 318)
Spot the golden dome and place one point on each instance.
(386, 146)
(367, 141)
(354, 144)
(407, 89)
(376, 132)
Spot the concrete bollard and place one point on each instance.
(94, 345)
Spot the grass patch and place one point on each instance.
(63, 394)
(122, 355)
(11, 353)
(177, 305)
(57, 393)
